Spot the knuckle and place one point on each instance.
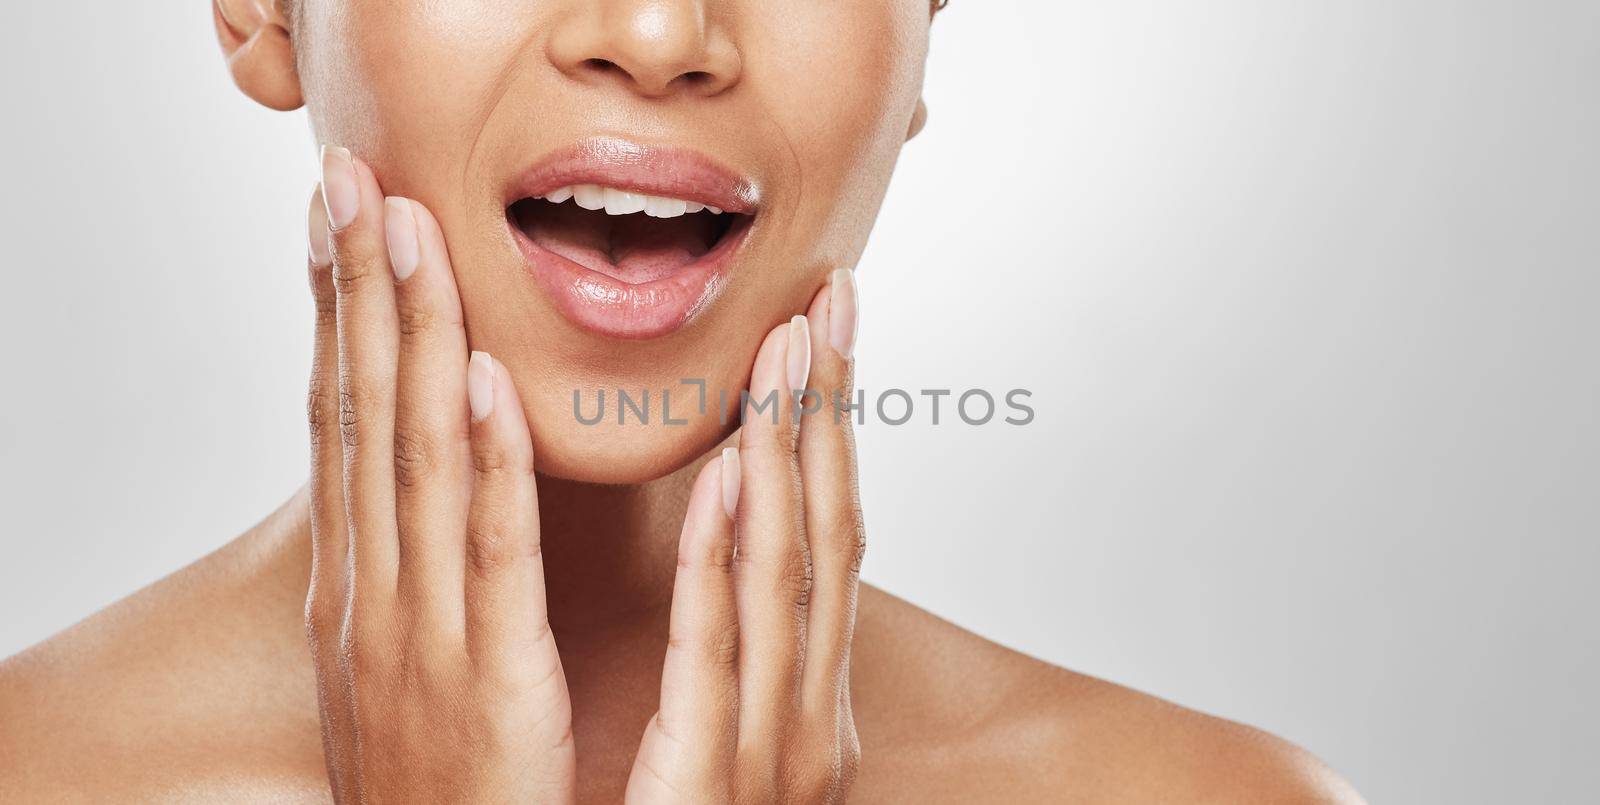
(352, 272)
(323, 620)
(416, 457)
(717, 557)
(724, 646)
(849, 760)
(317, 405)
(796, 578)
(486, 551)
(721, 556)
(492, 461)
(850, 535)
(491, 549)
(787, 569)
(414, 319)
(349, 417)
(356, 399)
(325, 311)
(718, 647)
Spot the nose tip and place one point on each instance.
(657, 48)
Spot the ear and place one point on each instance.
(919, 119)
(254, 35)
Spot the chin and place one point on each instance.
(652, 438)
(608, 453)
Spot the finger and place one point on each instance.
(325, 600)
(507, 620)
(689, 745)
(432, 455)
(772, 565)
(833, 504)
(368, 344)
(329, 539)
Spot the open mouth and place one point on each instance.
(630, 241)
(632, 237)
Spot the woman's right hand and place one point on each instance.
(437, 673)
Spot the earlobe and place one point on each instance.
(255, 41)
(919, 119)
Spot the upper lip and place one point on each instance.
(658, 171)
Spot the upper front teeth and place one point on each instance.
(622, 202)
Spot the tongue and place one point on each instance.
(632, 248)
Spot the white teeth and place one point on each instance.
(589, 197)
(657, 207)
(623, 202)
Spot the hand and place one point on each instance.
(755, 694)
(437, 674)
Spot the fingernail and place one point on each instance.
(842, 307)
(799, 353)
(400, 230)
(730, 480)
(480, 386)
(341, 192)
(317, 232)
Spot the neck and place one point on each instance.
(609, 552)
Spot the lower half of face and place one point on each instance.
(633, 192)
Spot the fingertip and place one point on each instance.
(843, 312)
(480, 385)
(401, 237)
(797, 353)
(504, 386)
(818, 311)
(320, 253)
(429, 235)
(367, 184)
(706, 509)
(767, 375)
(341, 187)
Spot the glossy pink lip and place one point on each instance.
(604, 304)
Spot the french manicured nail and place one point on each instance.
(341, 191)
(730, 480)
(317, 232)
(480, 386)
(400, 230)
(842, 309)
(799, 353)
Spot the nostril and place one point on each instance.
(697, 78)
(603, 66)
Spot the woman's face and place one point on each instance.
(788, 115)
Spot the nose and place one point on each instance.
(655, 48)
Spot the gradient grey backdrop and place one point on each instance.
(1305, 291)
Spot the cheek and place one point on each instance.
(407, 85)
(844, 110)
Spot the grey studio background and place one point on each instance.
(1305, 292)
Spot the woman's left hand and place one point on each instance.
(755, 693)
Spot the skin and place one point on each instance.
(473, 598)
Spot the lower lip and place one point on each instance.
(607, 306)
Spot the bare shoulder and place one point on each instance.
(161, 695)
(946, 716)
